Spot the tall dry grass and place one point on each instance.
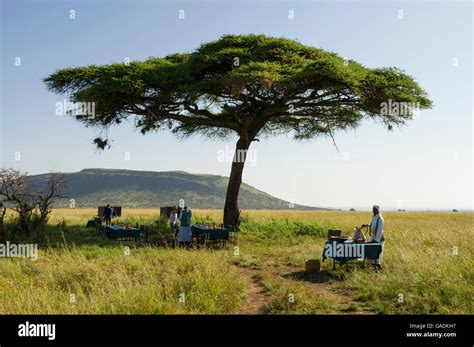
(90, 280)
(429, 267)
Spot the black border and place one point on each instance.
(239, 329)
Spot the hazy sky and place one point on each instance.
(425, 165)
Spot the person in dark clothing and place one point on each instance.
(108, 215)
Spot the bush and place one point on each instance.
(283, 229)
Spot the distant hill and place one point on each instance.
(149, 189)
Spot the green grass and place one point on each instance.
(103, 277)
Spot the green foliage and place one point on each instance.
(35, 232)
(204, 220)
(162, 225)
(245, 84)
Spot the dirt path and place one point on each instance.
(258, 296)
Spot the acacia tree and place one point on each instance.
(244, 86)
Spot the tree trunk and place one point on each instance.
(231, 207)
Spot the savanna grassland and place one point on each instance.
(429, 268)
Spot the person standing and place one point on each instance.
(108, 215)
(174, 221)
(376, 227)
(185, 233)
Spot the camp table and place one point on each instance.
(371, 251)
(121, 232)
(203, 233)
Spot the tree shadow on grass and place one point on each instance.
(322, 276)
(80, 236)
(57, 237)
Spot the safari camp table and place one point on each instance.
(120, 232)
(371, 251)
(203, 233)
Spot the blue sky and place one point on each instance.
(425, 165)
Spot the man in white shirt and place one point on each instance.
(376, 225)
(174, 221)
(376, 228)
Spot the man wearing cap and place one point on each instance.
(376, 229)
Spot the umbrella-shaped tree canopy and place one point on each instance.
(243, 85)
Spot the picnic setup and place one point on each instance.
(342, 249)
(96, 222)
(198, 234)
(123, 232)
(210, 233)
(182, 231)
(115, 231)
(365, 246)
